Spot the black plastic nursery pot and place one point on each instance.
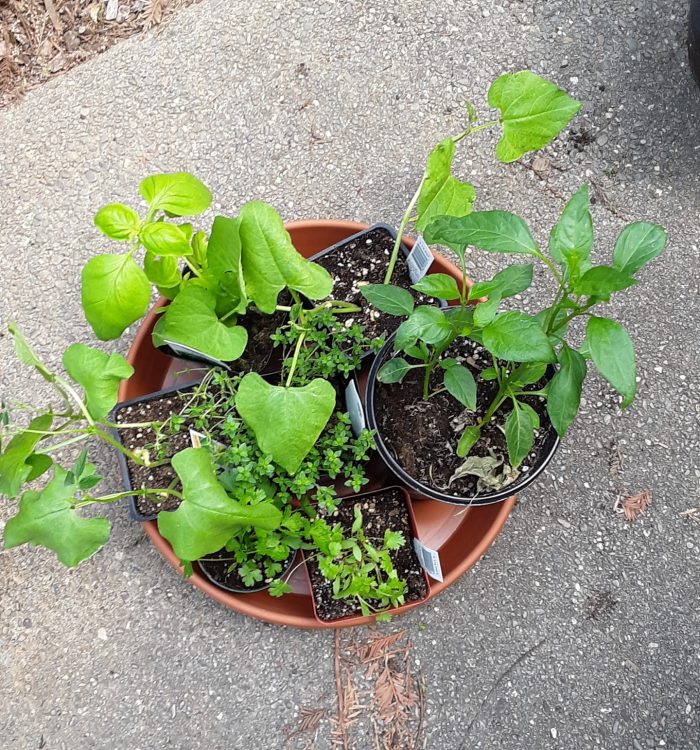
(419, 577)
(212, 572)
(420, 489)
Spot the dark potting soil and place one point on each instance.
(149, 477)
(423, 435)
(224, 570)
(365, 260)
(259, 355)
(381, 511)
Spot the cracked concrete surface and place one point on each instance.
(578, 629)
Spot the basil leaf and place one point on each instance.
(161, 238)
(612, 352)
(638, 244)
(178, 193)
(48, 518)
(442, 194)
(564, 389)
(115, 293)
(517, 337)
(389, 299)
(286, 421)
(533, 111)
(118, 221)
(162, 271)
(493, 231)
(99, 374)
(190, 319)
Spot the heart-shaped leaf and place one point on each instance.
(207, 517)
(178, 193)
(286, 421)
(533, 111)
(99, 374)
(190, 319)
(15, 466)
(441, 193)
(270, 261)
(48, 518)
(115, 293)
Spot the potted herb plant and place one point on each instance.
(468, 403)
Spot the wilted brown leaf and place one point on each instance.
(633, 505)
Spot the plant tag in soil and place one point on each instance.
(429, 560)
(187, 352)
(419, 260)
(354, 408)
(200, 440)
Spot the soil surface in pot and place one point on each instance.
(259, 355)
(365, 260)
(224, 570)
(423, 435)
(150, 477)
(383, 510)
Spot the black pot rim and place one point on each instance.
(260, 587)
(426, 490)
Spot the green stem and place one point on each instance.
(192, 268)
(123, 449)
(399, 234)
(119, 495)
(552, 268)
(69, 389)
(64, 444)
(292, 367)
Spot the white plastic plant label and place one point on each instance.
(429, 560)
(188, 353)
(200, 440)
(354, 408)
(419, 260)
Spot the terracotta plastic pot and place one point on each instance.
(461, 536)
(421, 489)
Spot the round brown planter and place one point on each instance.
(461, 536)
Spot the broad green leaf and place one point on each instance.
(190, 319)
(118, 221)
(602, 281)
(161, 238)
(528, 373)
(48, 519)
(15, 465)
(508, 282)
(393, 371)
(115, 293)
(534, 416)
(39, 463)
(286, 421)
(178, 193)
(564, 389)
(493, 231)
(199, 246)
(638, 244)
(571, 238)
(460, 318)
(519, 434)
(224, 260)
(441, 193)
(27, 356)
(489, 373)
(389, 299)
(467, 440)
(163, 272)
(485, 312)
(533, 112)
(270, 261)
(438, 285)
(517, 337)
(99, 374)
(460, 383)
(430, 324)
(612, 352)
(207, 517)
